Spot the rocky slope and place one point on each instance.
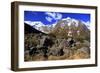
(68, 39)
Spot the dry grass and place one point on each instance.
(35, 58)
(75, 55)
(79, 55)
(57, 57)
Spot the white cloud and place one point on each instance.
(55, 16)
(58, 16)
(49, 19)
(51, 14)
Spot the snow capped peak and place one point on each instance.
(40, 26)
(68, 18)
(36, 24)
(87, 24)
(72, 21)
(29, 23)
(69, 21)
(75, 22)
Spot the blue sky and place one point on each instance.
(52, 17)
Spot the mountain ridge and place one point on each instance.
(65, 22)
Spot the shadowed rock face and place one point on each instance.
(30, 29)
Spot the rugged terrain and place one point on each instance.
(68, 39)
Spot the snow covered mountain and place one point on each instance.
(40, 26)
(70, 27)
(63, 23)
(71, 21)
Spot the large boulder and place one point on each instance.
(84, 49)
(82, 53)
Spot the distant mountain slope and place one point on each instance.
(40, 26)
(30, 29)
